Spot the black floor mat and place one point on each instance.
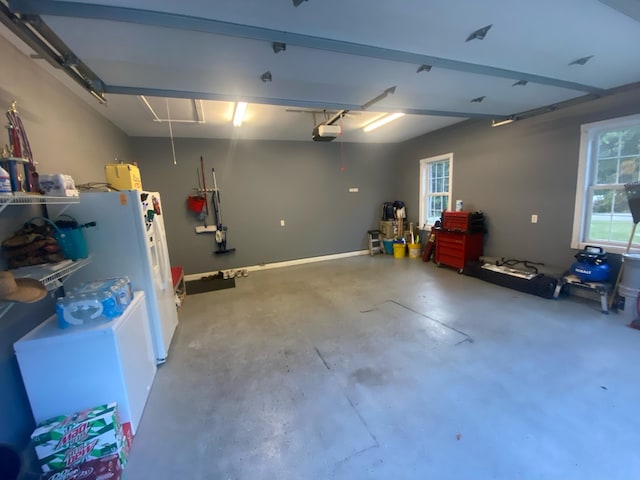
(209, 284)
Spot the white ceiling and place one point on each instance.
(340, 55)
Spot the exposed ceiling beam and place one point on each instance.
(54, 51)
(630, 8)
(285, 102)
(184, 22)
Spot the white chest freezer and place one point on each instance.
(67, 370)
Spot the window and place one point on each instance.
(609, 159)
(435, 187)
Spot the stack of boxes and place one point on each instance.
(90, 444)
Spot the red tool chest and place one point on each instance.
(455, 244)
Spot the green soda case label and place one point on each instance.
(61, 421)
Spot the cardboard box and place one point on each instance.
(104, 468)
(123, 176)
(69, 440)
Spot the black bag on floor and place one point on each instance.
(541, 285)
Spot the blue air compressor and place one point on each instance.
(591, 265)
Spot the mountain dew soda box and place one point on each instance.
(64, 441)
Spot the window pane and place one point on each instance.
(621, 205)
(436, 198)
(608, 144)
(607, 171)
(630, 141)
(610, 218)
(629, 169)
(602, 200)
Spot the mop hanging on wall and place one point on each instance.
(221, 229)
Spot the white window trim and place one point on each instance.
(424, 165)
(584, 173)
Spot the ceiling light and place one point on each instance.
(505, 121)
(581, 61)
(238, 116)
(383, 121)
(479, 34)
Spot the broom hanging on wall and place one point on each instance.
(221, 232)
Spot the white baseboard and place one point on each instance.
(288, 263)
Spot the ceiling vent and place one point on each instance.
(479, 34)
(581, 61)
(478, 99)
(278, 47)
(266, 76)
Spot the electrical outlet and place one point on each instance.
(282, 223)
(534, 218)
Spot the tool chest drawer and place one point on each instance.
(455, 221)
(455, 249)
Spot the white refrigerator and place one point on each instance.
(129, 239)
(79, 367)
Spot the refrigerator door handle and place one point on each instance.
(160, 260)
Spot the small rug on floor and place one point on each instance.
(209, 284)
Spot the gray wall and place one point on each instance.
(262, 182)
(66, 136)
(513, 171)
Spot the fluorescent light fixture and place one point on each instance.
(506, 121)
(383, 121)
(238, 116)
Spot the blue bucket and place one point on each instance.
(388, 246)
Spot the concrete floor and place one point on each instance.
(383, 368)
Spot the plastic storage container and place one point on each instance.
(399, 250)
(388, 246)
(414, 250)
(630, 309)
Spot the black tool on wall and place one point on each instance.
(221, 232)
